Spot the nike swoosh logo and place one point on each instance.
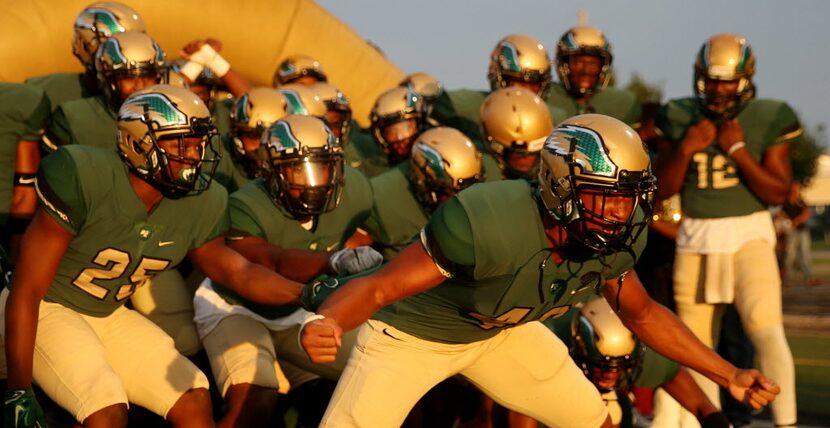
(26, 180)
(332, 246)
(387, 333)
(166, 243)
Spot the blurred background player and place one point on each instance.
(300, 69)
(730, 163)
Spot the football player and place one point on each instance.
(730, 162)
(443, 162)
(397, 118)
(109, 220)
(461, 299)
(126, 62)
(515, 124)
(583, 63)
(517, 60)
(300, 69)
(24, 111)
(96, 23)
(293, 220)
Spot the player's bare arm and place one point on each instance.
(251, 281)
(662, 331)
(683, 388)
(297, 265)
(770, 179)
(41, 251)
(411, 272)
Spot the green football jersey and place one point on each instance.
(24, 110)
(397, 216)
(713, 187)
(62, 87)
(221, 116)
(491, 241)
(117, 245)
(85, 121)
(620, 104)
(254, 213)
(365, 154)
(229, 172)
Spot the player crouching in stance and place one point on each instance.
(105, 226)
(495, 257)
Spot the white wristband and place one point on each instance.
(211, 59)
(734, 148)
(192, 70)
(309, 318)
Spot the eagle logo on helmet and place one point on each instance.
(434, 161)
(295, 103)
(509, 57)
(280, 138)
(102, 16)
(588, 149)
(154, 107)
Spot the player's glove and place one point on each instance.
(22, 410)
(350, 262)
(315, 292)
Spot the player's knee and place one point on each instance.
(110, 416)
(193, 404)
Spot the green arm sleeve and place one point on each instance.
(448, 237)
(35, 123)
(785, 127)
(60, 192)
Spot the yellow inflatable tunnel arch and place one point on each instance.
(36, 35)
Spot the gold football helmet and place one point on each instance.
(397, 118)
(304, 100)
(425, 85)
(515, 122)
(583, 40)
(443, 162)
(149, 119)
(520, 60)
(301, 69)
(96, 23)
(306, 175)
(600, 342)
(724, 57)
(600, 160)
(127, 54)
(338, 110)
(251, 115)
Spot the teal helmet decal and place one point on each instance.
(295, 103)
(589, 150)
(155, 108)
(280, 137)
(509, 58)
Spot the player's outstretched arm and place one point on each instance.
(660, 329)
(251, 281)
(411, 272)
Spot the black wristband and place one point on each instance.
(24, 179)
(715, 420)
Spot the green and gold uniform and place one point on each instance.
(466, 103)
(253, 213)
(117, 245)
(500, 276)
(397, 216)
(712, 187)
(24, 110)
(617, 103)
(229, 172)
(62, 87)
(86, 121)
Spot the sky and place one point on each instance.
(452, 39)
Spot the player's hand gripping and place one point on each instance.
(753, 388)
(729, 134)
(21, 410)
(698, 137)
(321, 339)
